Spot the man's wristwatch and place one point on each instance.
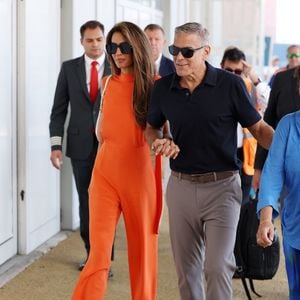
(258, 81)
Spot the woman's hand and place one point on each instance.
(265, 233)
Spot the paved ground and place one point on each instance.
(52, 277)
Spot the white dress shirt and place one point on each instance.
(100, 69)
(157, 63)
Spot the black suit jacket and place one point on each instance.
(284, 99)
(166, 66)
(71, 92)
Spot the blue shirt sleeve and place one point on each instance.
(273, 174)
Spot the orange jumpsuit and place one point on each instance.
(122, 181)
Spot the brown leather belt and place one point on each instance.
(205, 177)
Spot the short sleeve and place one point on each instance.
(155, 116)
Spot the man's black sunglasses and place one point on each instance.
(125, 48)
(186, 52)
(236, 71)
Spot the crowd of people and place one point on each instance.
(124, 103)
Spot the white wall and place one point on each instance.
(8, 201)
(38, 65)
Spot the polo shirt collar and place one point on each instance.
(210, 77)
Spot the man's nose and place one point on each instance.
(179, 55)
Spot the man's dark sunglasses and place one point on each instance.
(186, 51)
(236, 71)
(124, 47)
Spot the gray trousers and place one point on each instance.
(203, 220)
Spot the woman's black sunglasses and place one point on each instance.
(186, 51)
(124, 47)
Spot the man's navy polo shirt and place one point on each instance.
(204, 123)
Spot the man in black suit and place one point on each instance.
(156, 36)
(73, 91)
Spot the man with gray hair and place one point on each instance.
(203, 105)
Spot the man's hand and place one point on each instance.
(165, 147)
(56, 159)
(249, 72)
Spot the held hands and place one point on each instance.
(165, 147)
(265, 233)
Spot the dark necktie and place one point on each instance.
(94, 82)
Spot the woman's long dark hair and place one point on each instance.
(143, 67)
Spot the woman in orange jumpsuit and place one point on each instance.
(123, 178)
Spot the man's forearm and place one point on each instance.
(152, 134)
(260, 157)
(266, 136)
(166, 131)
(263, 133)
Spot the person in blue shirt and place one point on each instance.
(282, 168)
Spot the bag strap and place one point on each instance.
(103, 92)
(251, 283)
(253, 289)
(101, 107)
(246, 288)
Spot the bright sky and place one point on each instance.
(288, 26)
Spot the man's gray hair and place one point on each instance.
(195, 28)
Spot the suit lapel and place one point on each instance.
(162, 64)
(82, 76)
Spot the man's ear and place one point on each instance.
(206, 52)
